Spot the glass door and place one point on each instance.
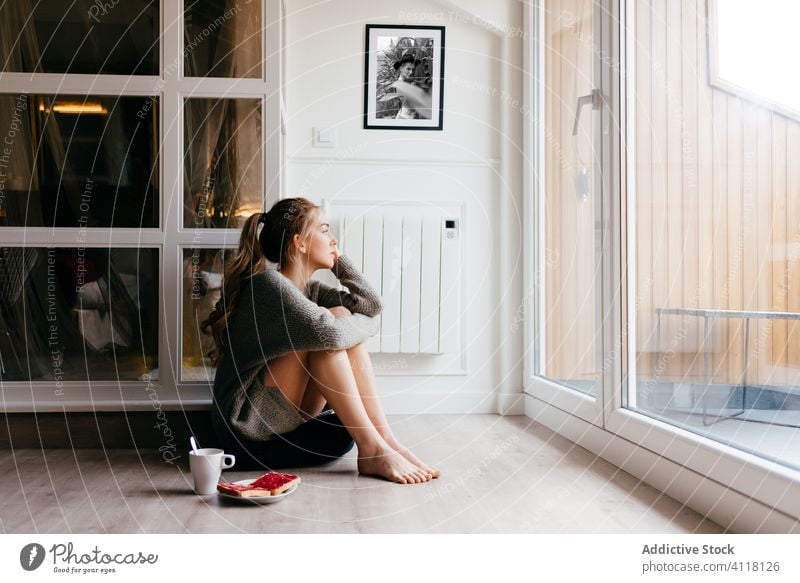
(569, 227)
(713, 190)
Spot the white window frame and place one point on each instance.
(170, 238)
(738, 489)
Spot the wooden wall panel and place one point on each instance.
(718, 207)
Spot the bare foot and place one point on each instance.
(387, 463)
(406, 453)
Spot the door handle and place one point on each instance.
(592, 98)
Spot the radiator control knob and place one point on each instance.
(450, 228)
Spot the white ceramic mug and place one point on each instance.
(207, 465)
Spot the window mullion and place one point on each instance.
(171, 161)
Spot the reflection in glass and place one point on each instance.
(79, 161)
(69, 314)
(222, 38)
(83, 36)
(222, 162)
(570, 258)
(203, 270)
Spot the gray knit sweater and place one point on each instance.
(273, 317)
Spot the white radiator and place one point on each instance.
(410, 253)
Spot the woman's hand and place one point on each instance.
(338, 311)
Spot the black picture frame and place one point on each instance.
(408, 61)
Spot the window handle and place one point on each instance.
(592, 98)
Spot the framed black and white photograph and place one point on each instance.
(404, 77)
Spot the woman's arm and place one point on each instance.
(306, 325)
(362, 298)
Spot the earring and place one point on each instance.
(303, 249)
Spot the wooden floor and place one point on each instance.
(499, 474)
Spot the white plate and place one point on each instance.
(256, 499)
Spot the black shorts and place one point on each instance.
(320, 440)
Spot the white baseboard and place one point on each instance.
(19, 398)
(511, 404)
(459, 403)
(730, 509)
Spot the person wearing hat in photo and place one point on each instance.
(415, 102)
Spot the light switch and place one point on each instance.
(324, 137)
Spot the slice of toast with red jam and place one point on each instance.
(270, 484)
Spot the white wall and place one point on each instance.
(476, 160)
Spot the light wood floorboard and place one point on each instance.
(499, 475)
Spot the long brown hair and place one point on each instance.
(288, 217)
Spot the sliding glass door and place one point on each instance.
(666, 277)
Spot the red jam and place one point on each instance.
(272, 480)
(269, 481)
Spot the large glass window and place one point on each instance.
(82, 36)
(78, 313)
(222, 162)
(222, 38)
(716, 206)
(101, 104)
(79, 161)
(203, 271)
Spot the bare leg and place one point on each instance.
(313, 401)
(365, 379)
(336, 382)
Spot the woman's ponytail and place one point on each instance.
(248, 261)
